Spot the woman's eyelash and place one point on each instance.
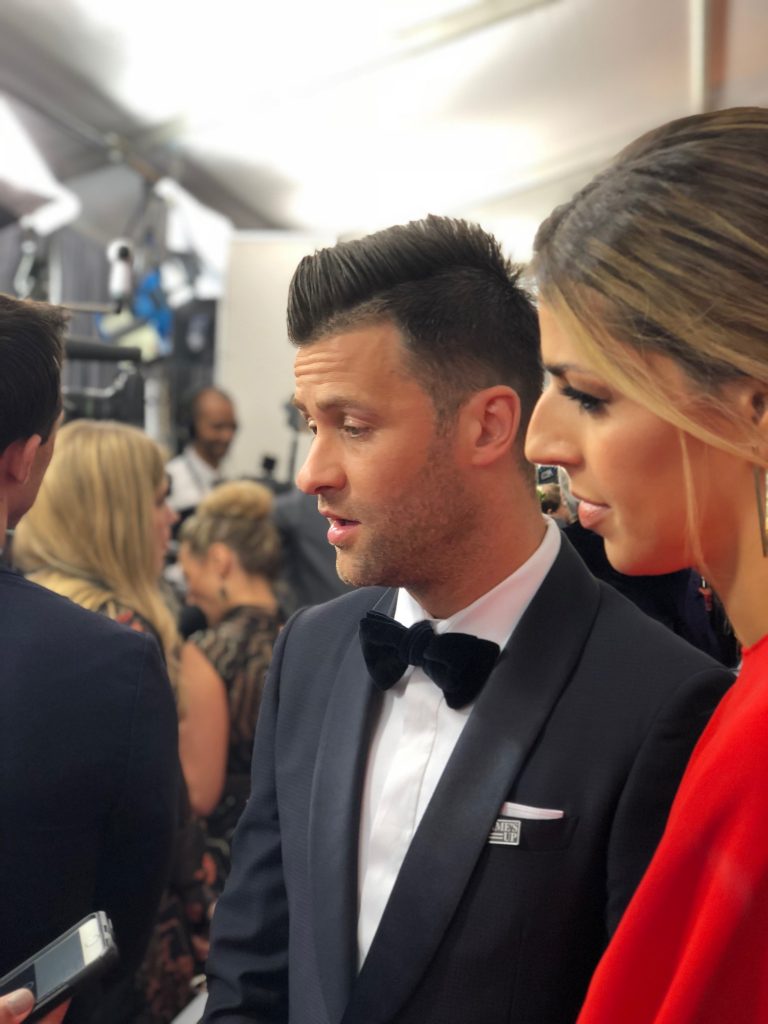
(589, 403)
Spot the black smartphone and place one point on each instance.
(55, 972)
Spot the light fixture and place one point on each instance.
(28, 190)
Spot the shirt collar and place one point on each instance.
(202, 470)
(495, 615)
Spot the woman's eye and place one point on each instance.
(585, 401)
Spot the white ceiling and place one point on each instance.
(347, 115)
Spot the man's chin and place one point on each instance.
(350, 571)
(356, 571)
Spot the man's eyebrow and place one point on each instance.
(331, 402)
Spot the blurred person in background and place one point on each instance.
(654, 318)
(553, 504)
(230, 554)
(101, 527)
(98, 536)
(87, 722)
(211, 426)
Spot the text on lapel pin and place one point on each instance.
(506, 832)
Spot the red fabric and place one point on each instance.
(692, 947)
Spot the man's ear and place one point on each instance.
(493, 421)
(18, 458)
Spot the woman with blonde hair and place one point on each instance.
(100, 527)
(654, 313)
(230, 554)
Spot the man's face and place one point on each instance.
(215, 427)
(391, 485)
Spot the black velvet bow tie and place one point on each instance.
(457, 662)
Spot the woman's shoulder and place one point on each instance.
(246, 628)
(726, 774)
(126, 616)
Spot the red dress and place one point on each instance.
(692, 947)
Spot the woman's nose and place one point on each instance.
(548, 441)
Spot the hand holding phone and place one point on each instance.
(54, 973)
(16, 1007)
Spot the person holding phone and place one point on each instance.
(17, 1006)
(653, 283)
(88, 734)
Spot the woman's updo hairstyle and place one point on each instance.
(238, 515)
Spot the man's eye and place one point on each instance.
(351, 430)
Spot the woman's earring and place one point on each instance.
(760, 484)
(224, 593)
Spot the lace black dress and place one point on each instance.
(240, 649)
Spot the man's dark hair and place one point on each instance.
(31, 353)
(446, 286)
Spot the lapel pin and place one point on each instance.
(506, 832)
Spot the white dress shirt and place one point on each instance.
(191, 479)
(417, 731)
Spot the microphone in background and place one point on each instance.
(120, 256)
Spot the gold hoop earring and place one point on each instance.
(760, 485)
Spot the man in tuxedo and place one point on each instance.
(88, 753)
(449, 811)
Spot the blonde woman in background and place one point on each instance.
(98, 535)
(230, 554)
(653, 283)
(101, 525)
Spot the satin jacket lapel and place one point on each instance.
(334, 820)
(505, 722)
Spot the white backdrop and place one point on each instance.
(254, 359)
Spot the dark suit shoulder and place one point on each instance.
(23, 602)
(88, 721)
(653, 642)
(65, 656)
(342, 614)
(623, 632)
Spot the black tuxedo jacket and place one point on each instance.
(89, 769)
(593, 708)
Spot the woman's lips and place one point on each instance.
(591, 514)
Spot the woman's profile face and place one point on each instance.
(163, 519)
(204, 583)
(626, 464)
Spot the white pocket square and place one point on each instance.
(510, 810)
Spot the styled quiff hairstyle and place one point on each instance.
(31, 353)
(238, 515)
(465, 321)
(666, 253)
(89, 535)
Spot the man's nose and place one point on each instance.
(322, 469)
